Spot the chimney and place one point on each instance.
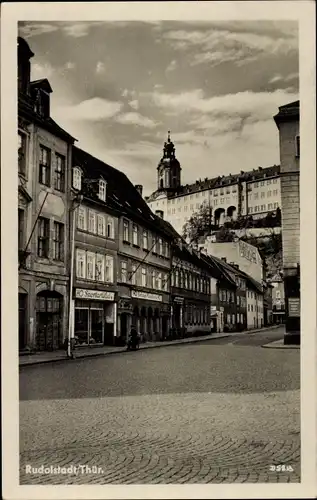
(139, 188)
(159, 213)
(224, 259)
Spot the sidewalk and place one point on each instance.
(279, 344)
(87, 352)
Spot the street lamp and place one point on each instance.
(76, 203)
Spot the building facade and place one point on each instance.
(255, 193)
(287, 121)
(44, 165)
(278, 299)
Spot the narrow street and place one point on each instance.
(210, 412)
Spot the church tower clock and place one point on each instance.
(169, 169)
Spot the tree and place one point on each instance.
(200, 223)
(225, 235)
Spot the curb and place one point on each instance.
(153, 346)
(274, 345)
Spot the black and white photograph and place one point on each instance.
(159, 273)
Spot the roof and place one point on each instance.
(287, 112)
(122, 195)
(238, 272)
(26, 110)
(43, 83)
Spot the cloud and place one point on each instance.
(221, 45)
(134, 104)
(78, 29)
(100, 67)
(172, 66)
(135, 119)
(70, 65)
(287, 78)
(39, 71)
(29, 30)
(259, 104)
(95, 109)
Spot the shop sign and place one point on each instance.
(82, 293)
(213, 309)
(294, 308)
(179, 300)
(146, 296)
(248, 252)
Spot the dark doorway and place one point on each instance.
(49, 321)
(124, 325)
(22, 320)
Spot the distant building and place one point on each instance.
(246, 256)
(287, 121)
(253, 193)
(278, 299)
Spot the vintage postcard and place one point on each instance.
(159, 250)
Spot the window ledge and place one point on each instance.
(135, 245)
(126, 242)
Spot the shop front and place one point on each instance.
(147, 312)
(95, 317)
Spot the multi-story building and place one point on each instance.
(239, 252)
(95, 290)
(254, 193)
(138, 287)
(278, 298)
(287, 121)
(44, 164)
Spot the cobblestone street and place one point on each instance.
(210, 412)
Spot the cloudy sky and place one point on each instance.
(119, 86)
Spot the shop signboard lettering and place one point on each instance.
(248, 252)
(294, 308)
(82, 293)
(146, 296)
(179, 300)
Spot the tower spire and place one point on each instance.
(169, 136)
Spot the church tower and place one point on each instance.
(169, 169)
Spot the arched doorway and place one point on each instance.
(49, 323)
(219, 216)
(231, 212)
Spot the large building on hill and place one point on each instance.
(255, 193)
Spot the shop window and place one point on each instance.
(59, 174)
(80, 263)
(43, 237)
(45, 166)
(58, 241)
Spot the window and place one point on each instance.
(297, 146)
(269, 194)
(58, 241)
(102, 190)
(192, 206)
(145, 240)
(262, 183)
(185, 208)
(228, 190)
(21, 229)
(101, 225)
(59, 177)
(21, 153)
(81, 218)
(135, 234)
(80, 263)
(126, 231)
(263, 207)
(256, 196)
(256, 184)
(274, 181)
(270, 206)
(197, 195)
(124, 272)
(45, 166)
(90, 273)
(91, 221)
(143, 277)
(249, 307)
(268, 182)
(215, 202)
(250, 210)
(278, 294)
(109, 269)
(110, 228)
(222, 200)
(165, 282)
(275, 205)
(100, 267)
(215, 192)
(133, 274)
(263, 195)
(160, 246)
(77, 178)
(275, 192)
(159, 281)
(43, 237)
(153, 279)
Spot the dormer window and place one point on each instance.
(77, 178)
(42, 103)
(102, 190)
